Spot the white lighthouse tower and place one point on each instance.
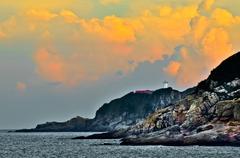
(165, 84)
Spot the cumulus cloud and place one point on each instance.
(55, 68)
(199, 35)
(191, 69)
(40, 14)
(112, 28)
(7, 27)
(205, 38)
(209, 41)
(216, 46)
(173, 68)
(69, 16)
(223, 17)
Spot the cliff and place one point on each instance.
(132, 108)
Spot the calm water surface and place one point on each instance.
(59, 145)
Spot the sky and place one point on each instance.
(61, 59)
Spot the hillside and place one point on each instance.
(119, 113)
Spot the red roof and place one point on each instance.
(143, 91)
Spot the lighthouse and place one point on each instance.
(165, 84)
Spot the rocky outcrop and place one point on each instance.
(203, 119)
(209, 116)
(132, 109)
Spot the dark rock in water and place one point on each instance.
(107, 135)
(204, 128)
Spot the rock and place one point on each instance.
(227, 113)
(209, 138)
(107, 135)
(233, 123)
(220, 89)
(168, 136)
(236, 111)
(212, 98)
(204, 128)
(224, 109)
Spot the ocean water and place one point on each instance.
(60, 145)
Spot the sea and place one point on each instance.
(60, 145)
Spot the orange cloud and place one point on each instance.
(222, 17)
(192, 68)
(21, 86)
(165, 10)
(69, 16)
(199, 26)
(211, 40)
(203, 31)
(7, 27)
(216, 46)
(112, 28)
(39, 14)
(55, 68)
(198, 59)
(167, 27)
(94, 47)
(2, 35)
(153, 34)
(50, 66)
(173, 68)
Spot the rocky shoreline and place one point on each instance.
(209, 116)
(218, 135)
